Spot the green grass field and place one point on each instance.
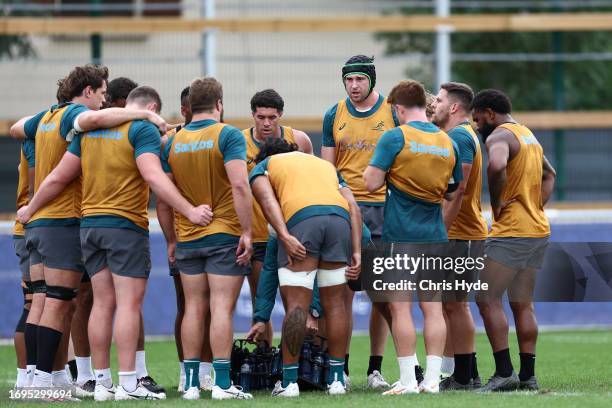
(573, 369)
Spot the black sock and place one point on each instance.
(375, 364)
(474, 366)
(503, 363)
(346, 368)
(463, 368)
(48, 342)
(29, 333)
(73, 369)
(527, 366)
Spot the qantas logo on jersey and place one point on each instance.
(361, 145)
(193, 146)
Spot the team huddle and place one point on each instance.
(405, 170)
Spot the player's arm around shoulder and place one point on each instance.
(17, 130)
(25, 128)
(111, 117)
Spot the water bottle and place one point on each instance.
(317, 367)
(259, 374)
(245, 375)
(305, 367)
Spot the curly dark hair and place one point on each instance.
(275, 145)
(119, 88)
(185, 96)
(268, 98)
(82, 77)
(494, 99)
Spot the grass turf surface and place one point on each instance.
(573, 369)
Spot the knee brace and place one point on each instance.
(61, 293)
(22, 321)
(287, 277)
(26, 301)
(27, 287)
(39, 286)
(331, 277)
(27, 290)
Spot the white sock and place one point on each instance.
(205, 368)
(141, 364)
(84, 372)
(42, 379)
(448, 366)
(30, 370)
(406, 366)
(22, 377)
(128, 380)
(182, 369)
(104, 377)
(60, 379)
(432, 372)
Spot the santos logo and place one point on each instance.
(428, 149)
(105, 134)
(47, 127)
(193, 146)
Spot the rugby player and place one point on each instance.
(52, 232)
(267, 109)
(467, 230)
(521, 181)
(207, 161)
(413, 220)
(117, 92)
(166, 218)
(319, 225)
(351, 130)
